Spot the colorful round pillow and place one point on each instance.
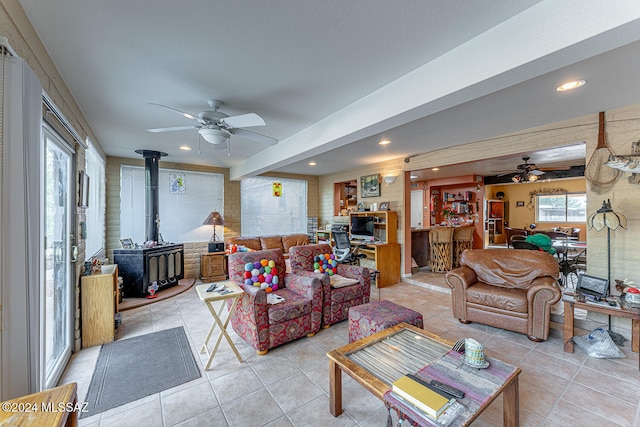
(325, 263)
(262, 274)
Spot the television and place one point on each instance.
(361, 228)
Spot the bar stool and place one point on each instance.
(462, 239)
(441, 249)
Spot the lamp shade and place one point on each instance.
(389, 179)
(214, 135)
(214, 218)
(605, 217)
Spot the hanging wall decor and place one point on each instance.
(532, 194)
(277, 189)
(370, 186)
(177, 184)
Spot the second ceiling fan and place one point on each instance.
(527, 172)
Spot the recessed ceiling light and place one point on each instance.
(384, 142)
(414, 176)
(185, 148)
(435, 169)
(312, 163)
(571, 85)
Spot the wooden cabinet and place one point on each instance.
(324, 236)
(345, 197)
(384, 257)
(99, 305)
(383, 254)
(385, 224)
(495, 217)
(213, 266)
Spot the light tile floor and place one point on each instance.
(290, 385)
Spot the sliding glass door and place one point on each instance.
(56, 298)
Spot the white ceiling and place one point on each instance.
(331, 78)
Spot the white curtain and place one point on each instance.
(263, 213)
(95, 212)
(21, 241)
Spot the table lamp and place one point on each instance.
(214, 218)
(605, 217)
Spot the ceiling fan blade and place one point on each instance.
(171, 129)
(559, 168)
(536, 172)
(243, 121)
(254, 136)
(182, 113)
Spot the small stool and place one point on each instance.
(462, 240)
(367, 319)
(441, 249)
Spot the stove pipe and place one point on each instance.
(152, 217)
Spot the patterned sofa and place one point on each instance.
(264, 326)
(336, 300)
(282, 242)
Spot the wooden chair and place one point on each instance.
(513, 232)
(441, 249)
(462, 240)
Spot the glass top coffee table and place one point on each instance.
(378, 360)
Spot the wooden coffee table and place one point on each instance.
(359, 361)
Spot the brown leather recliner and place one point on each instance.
(511, 289)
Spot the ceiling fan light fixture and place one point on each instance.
(516, 178)
(214, 136)
(532, 177)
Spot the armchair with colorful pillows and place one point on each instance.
(261, 320)
(343, 286)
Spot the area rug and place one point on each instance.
(137, 367)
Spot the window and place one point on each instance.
(561, 207)
(182, 208)
(263, 213)
(95, 213)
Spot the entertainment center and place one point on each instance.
(375, 232)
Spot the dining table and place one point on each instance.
(571, 255)
(565, 247)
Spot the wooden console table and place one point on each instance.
(570, 304)
(54, 407)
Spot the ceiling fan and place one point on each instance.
(217, 127)
(526, 172)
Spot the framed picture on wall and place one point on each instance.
(370, 186)
(384, 206)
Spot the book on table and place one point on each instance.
(423, 398)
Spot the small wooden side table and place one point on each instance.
(54, 407)
(213, 266)
(209, 298)
(570, 304)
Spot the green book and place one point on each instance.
(420, 396)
